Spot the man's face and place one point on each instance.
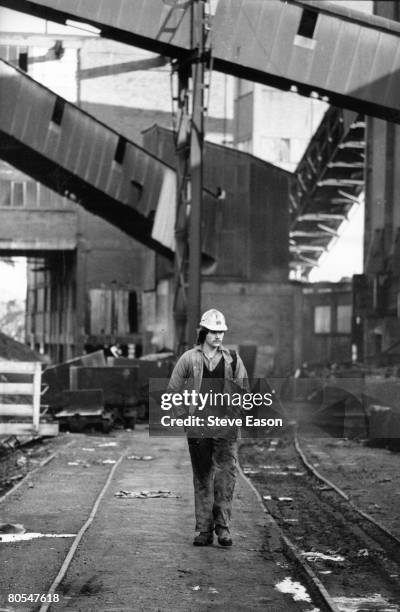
(214, 339)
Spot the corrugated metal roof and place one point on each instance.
(353, 58)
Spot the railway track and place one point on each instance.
(352, 558)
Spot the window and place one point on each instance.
(133, 312)
(5, 193)
(120, 150)
(284, 149)
(23, 61)
(31, 193)
(307, 23)
(17, 194)
(322, 320)
(343, 318)
(58, 111)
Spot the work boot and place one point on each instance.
(205, 538)
(224, 537)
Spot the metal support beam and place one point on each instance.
(182, 191)
(300, 248)
(321, 217)
(190, 137)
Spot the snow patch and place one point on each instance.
(298, 592)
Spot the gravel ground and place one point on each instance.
(20, 456)
(370, 476)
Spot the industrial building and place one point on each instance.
(90, 284)
(144, 187)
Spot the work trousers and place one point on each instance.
(214, 464)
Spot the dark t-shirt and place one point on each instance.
(212, 382)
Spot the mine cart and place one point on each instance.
(153, 366)
(120, 386)
(84, 409)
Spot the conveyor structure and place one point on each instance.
(58, 144)
(348, 57)
(327, 184)
(345, 57)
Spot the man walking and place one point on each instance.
(211, 368)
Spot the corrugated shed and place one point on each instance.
(245, 210)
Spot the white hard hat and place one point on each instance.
(213, 320)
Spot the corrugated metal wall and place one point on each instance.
(252, 220)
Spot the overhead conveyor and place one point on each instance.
(346, 57)
(58, 144)
(314, 47)
(327, 183)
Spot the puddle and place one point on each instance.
(278, 473)
(105, 444)
(18, 537)
(270, 467)
(313, 556)
(295, 589)
(375, 603)
(88, 449)
(285, 499)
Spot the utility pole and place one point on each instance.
(189, 150)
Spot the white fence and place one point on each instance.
(16, 417)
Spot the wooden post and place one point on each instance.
(36, 395)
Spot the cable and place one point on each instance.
(70, 555)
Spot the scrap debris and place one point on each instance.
(314, 556)
(141, 457)
(249, 471)
(12, 528)
(145, 494)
